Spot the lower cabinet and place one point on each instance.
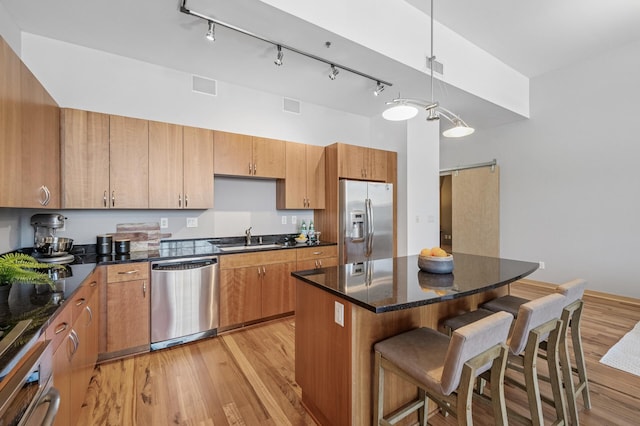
(254, 286)
(127, 310)
(74, 336)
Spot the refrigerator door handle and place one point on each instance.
(369, 227)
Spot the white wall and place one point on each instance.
(9, 31)
(569, 175)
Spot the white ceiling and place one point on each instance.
(532, 37)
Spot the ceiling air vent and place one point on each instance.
(205, 85)
(291, 105)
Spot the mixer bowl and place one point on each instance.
(53, 246)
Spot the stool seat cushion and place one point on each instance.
(506, 303)
(420, 353)
(467, 318)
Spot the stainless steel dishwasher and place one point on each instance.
(185, 295)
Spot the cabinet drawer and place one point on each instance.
(260, 258)
(322, 252)
(59, 328)
(128, 272)
(80, 301)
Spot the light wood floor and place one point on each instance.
(247, 378)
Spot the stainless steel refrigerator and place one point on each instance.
(366, 221)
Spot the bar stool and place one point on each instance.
(571, 316)
(538, 321)
(444, 368)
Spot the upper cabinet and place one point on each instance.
(85, 159)
(29, 137)
(180, 167)
(303, 186)
(357, 162)
(243, 155)
(128, 162)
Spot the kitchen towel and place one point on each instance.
(625, 355)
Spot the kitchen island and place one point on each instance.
(342, 311)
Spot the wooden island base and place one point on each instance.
(334, 364)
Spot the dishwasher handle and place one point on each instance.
(184, 264)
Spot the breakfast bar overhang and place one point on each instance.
(342, 311)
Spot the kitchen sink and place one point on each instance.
(251, 247)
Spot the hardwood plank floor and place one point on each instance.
(246, 377)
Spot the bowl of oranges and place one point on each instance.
(435, 260)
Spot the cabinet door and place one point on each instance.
(351, 161)
(129, 162)
(376, 165)
(10, 128)
(292, 191)
(232, 154)
(85, 159)
(128, 315)
(240, 295)
(62, 374)
(268, 158)
(315, 163)
(278, 289)
(40, 118)
(165, 166)
(198, 168)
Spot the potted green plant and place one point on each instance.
(22, 268)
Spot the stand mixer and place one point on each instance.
(47, 247)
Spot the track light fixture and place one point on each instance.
(278, 61)
(379, 88)
(334, 72)
(211, 32)
(279, 57)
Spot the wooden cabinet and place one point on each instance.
(356, 162)
(128, 162)
(316, 257)
(127, 309)
(303, 185)
(85, 159)
(243, 155)
(29, 137)
(180, 167)
(255, 286)
(74, 339)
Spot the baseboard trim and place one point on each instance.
(588, 293)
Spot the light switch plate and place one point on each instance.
(294, 220)
(339, 314)
(164, 222)
(192, 222)
(284, 219)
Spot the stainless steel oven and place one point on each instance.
(27, 395)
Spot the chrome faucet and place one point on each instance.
(247, 234)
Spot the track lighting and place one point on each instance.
(334, 72)
(279, 57)
(211, 32)
(379, 88)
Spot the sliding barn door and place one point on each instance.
(475, 211)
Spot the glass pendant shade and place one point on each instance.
(400, 113)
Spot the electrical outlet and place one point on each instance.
(164, 222)
(541, 264)
(284, 219)
(294, 220)
(339, 314)
(192, 222)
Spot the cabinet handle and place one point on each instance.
(144, 289)
(81, 301)
(76, 342)
(43, 199)
(264, 271)
(48, 195)
(250, 169)
(317, 253)
(88, 308)
(315, 262)
(255, 168)
(134, 271)
(179, 200)
(93, 283)
(320, 262)
(62, 327)
(186, 201)
(104, 199)
(113, 198)
(259, 273)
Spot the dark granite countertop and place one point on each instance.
(397, 283)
